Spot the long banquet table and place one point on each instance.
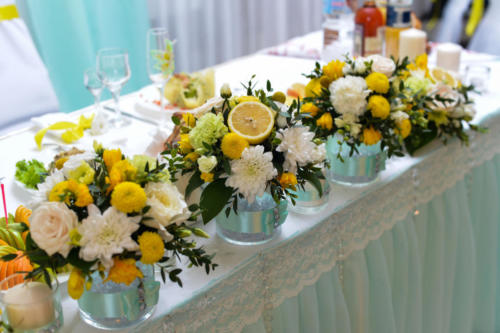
(416, 251)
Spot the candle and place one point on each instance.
(412, 43)
(448, 56)
(29, 305)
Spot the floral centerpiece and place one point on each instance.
(355, 99)
(103, 213)
(242, 147)
(437, 103)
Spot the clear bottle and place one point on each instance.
(368, 31)
(398, 19)
(337, 28)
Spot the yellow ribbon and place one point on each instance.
(8, 13)
(475, 16)
(73, 131)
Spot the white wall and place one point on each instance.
(209, 32)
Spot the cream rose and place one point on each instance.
(50, 225)
(447, 92)
(382, 64)
(167, 205)
(207, 163)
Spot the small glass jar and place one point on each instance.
(30, 306)
(309, 200)
(362, 168)
(256, 223)
(109, 305)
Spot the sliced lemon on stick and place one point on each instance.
(251, 120)
(443, 76)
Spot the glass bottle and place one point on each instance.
(398, 19)
(368, 31)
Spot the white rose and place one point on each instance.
(447, 92)
(382, 65)
(207, 163)
(167, 205)
(50, 225)
(399, 116)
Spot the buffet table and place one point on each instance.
(416, 251)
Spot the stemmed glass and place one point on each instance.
(93, 83)
(114, 71)
(160, 57)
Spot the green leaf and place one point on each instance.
(214, 198)
(176, 120)
(9, 257)
(194, 182)
(314, 180)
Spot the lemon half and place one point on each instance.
(441, 75)
(251, 120)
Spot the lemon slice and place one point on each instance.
(252, 120)
(441, 75)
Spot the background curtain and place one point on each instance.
(68, 35)
(434, 272)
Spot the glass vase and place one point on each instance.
(362, 168)
(309, 200)
(29, 306)
(256, 223)
(109, 305)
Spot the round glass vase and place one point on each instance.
(109, 305)
(360, 168)
(256, 223)
(29, 306)
(309, 200)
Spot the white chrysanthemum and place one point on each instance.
(104, 235)
(348, 95)
(42, 194)
(297, 145)
(249, 174)
(167, 207)
(75, 161)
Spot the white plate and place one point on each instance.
(146, 105)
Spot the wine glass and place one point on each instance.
(114, 71)
(160, 57)
(93, 83)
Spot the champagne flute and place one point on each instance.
(114, 70)
(160, 57)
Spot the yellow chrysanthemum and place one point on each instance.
(128, 197)
(152, 247)
(233, 145)
(123, 271)
(379, 106)
(189, 119)
(371, 136)
(120, 172)
(69, 191)
(76, 282)
(207, 177)
(288, 180)
(325, 121)
(313, 88)
(403, 128)
(378, 82)
(111, 156)
(191, 157)
(309, 108)
(334, 70)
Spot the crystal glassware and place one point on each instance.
(160, 58)
(478, 76)
(114, 71)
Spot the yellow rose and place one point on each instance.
(191, 157)
(379, 107)
(371, 136)
(309, 108)
(378, 83)
(313, 88)
(76, 282)
(112, 156)
(403, 128)
(288, 180)
(325, 121)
